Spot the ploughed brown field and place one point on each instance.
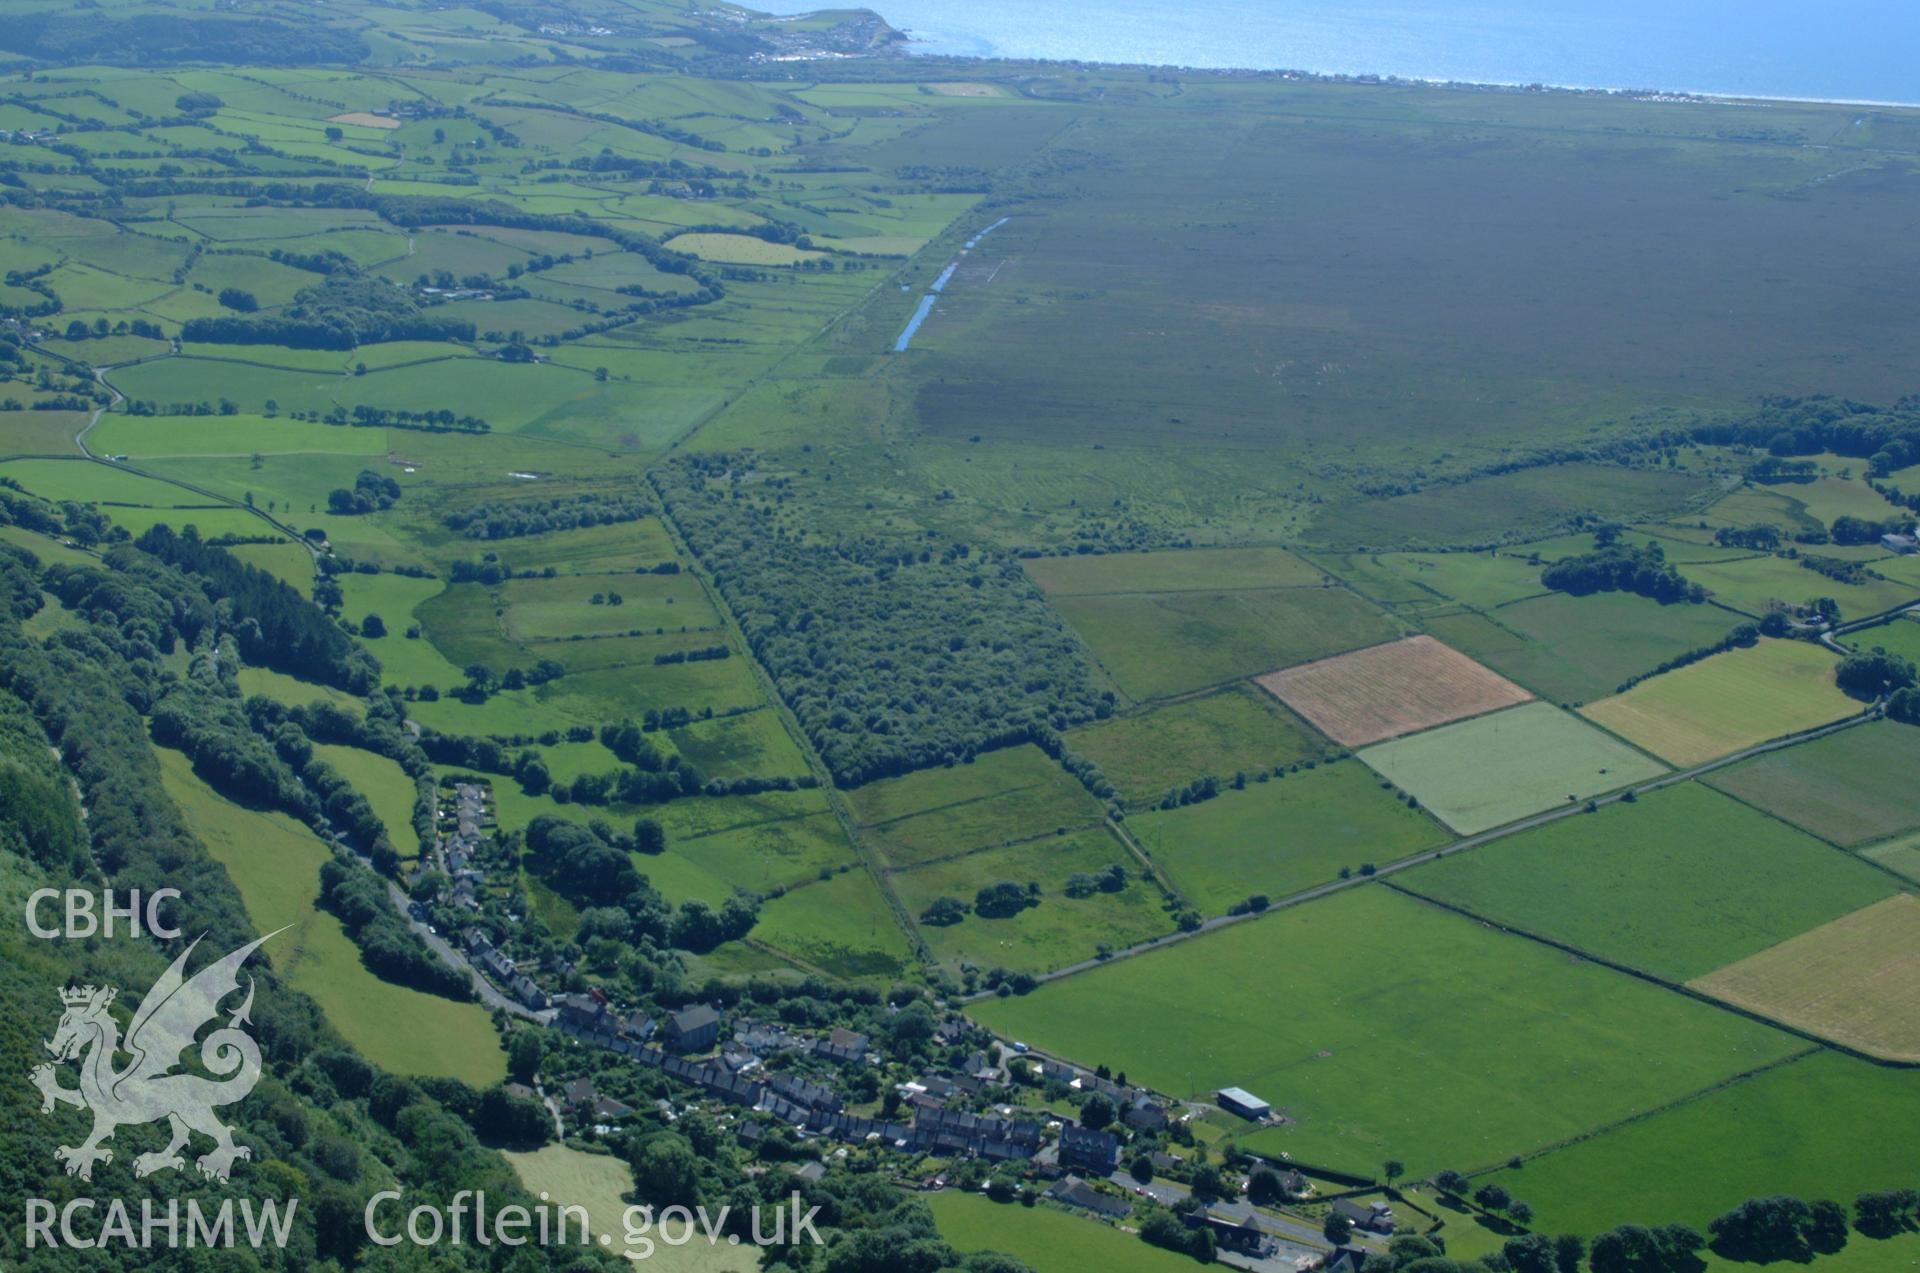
(1388, 690)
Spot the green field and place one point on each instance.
(275, 863)
(1493, 508)
(1201, 570)
(1570, 649)
(386, 787)
(1283, 835)
(1515, 1046)
(841, 927)
(602, 1184)
(1732, 700)
(1001, 797)
(1678, 884)
(1238, 728)
(1826, 1126)
(1476, 579)
(1492, 770)
(1157, 644)
(1901, 637)
(1757, 584)
(1850, 788)
(1061, 929)
(1900, 854)
(1046, 1239)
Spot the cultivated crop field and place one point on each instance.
(1337, 1015)
(1158, 644)
(1389, 690)
(1677, 883)
(1730, 701)
(1282, 835)
(1851, 787)
(1855, 980)
(1494, 769)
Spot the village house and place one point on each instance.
(1084, 1149)
(693, 1029)
(1075, 1192)
(1373, 1217)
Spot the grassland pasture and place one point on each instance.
(1852, 787)
(1823, 1126)
(1492, 508)
(1900, 854)
(1732, 700)
(1358, 989)
(741, 249)
(1490, 770)
(1388, 690)
(1755, 585)
(550, 609)
(1157, 644)
(1572, 649)
(275, 863)
(1001, 797)
(386, 787)
(1690, 880)
(1047, 1240)
(1475, 579)
(1235, 729)
(840, 926)
(1282, 835)
(1901, 636)
(1202, 569)
(1060, 929)
(600, 1183)
(1855, 980)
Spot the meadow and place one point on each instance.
(602, 1183)
(1201, 569)
(1823, 1126)
(1732, 700)
(1494, 509)
(1689, 880)
(840, 927)
(1755, 585)
(1000, 797)
(1901, 855)
(1159, 644)
(386, 787)
(1851, 787)
(1389, 690)
(1283, 835)
(275, 863)
(1237, 729)
(1047, 1239)
(1515, 1045)
(1491, 770)
(1061, 929)
(1570, 649)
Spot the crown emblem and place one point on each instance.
(79, 996)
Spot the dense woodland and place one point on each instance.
(894, 656)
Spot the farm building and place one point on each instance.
(1907, 543)
(1237, 1100)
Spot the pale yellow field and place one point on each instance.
(1732, 700)
(600, 1182)
(365, 120)
(1855, 980)
(740, 249)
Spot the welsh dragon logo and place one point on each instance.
(148, 1089)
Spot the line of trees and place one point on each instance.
(1616, 567)
(509, 519)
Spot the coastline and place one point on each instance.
(1375, 77)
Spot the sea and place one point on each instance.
(1831, 50)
